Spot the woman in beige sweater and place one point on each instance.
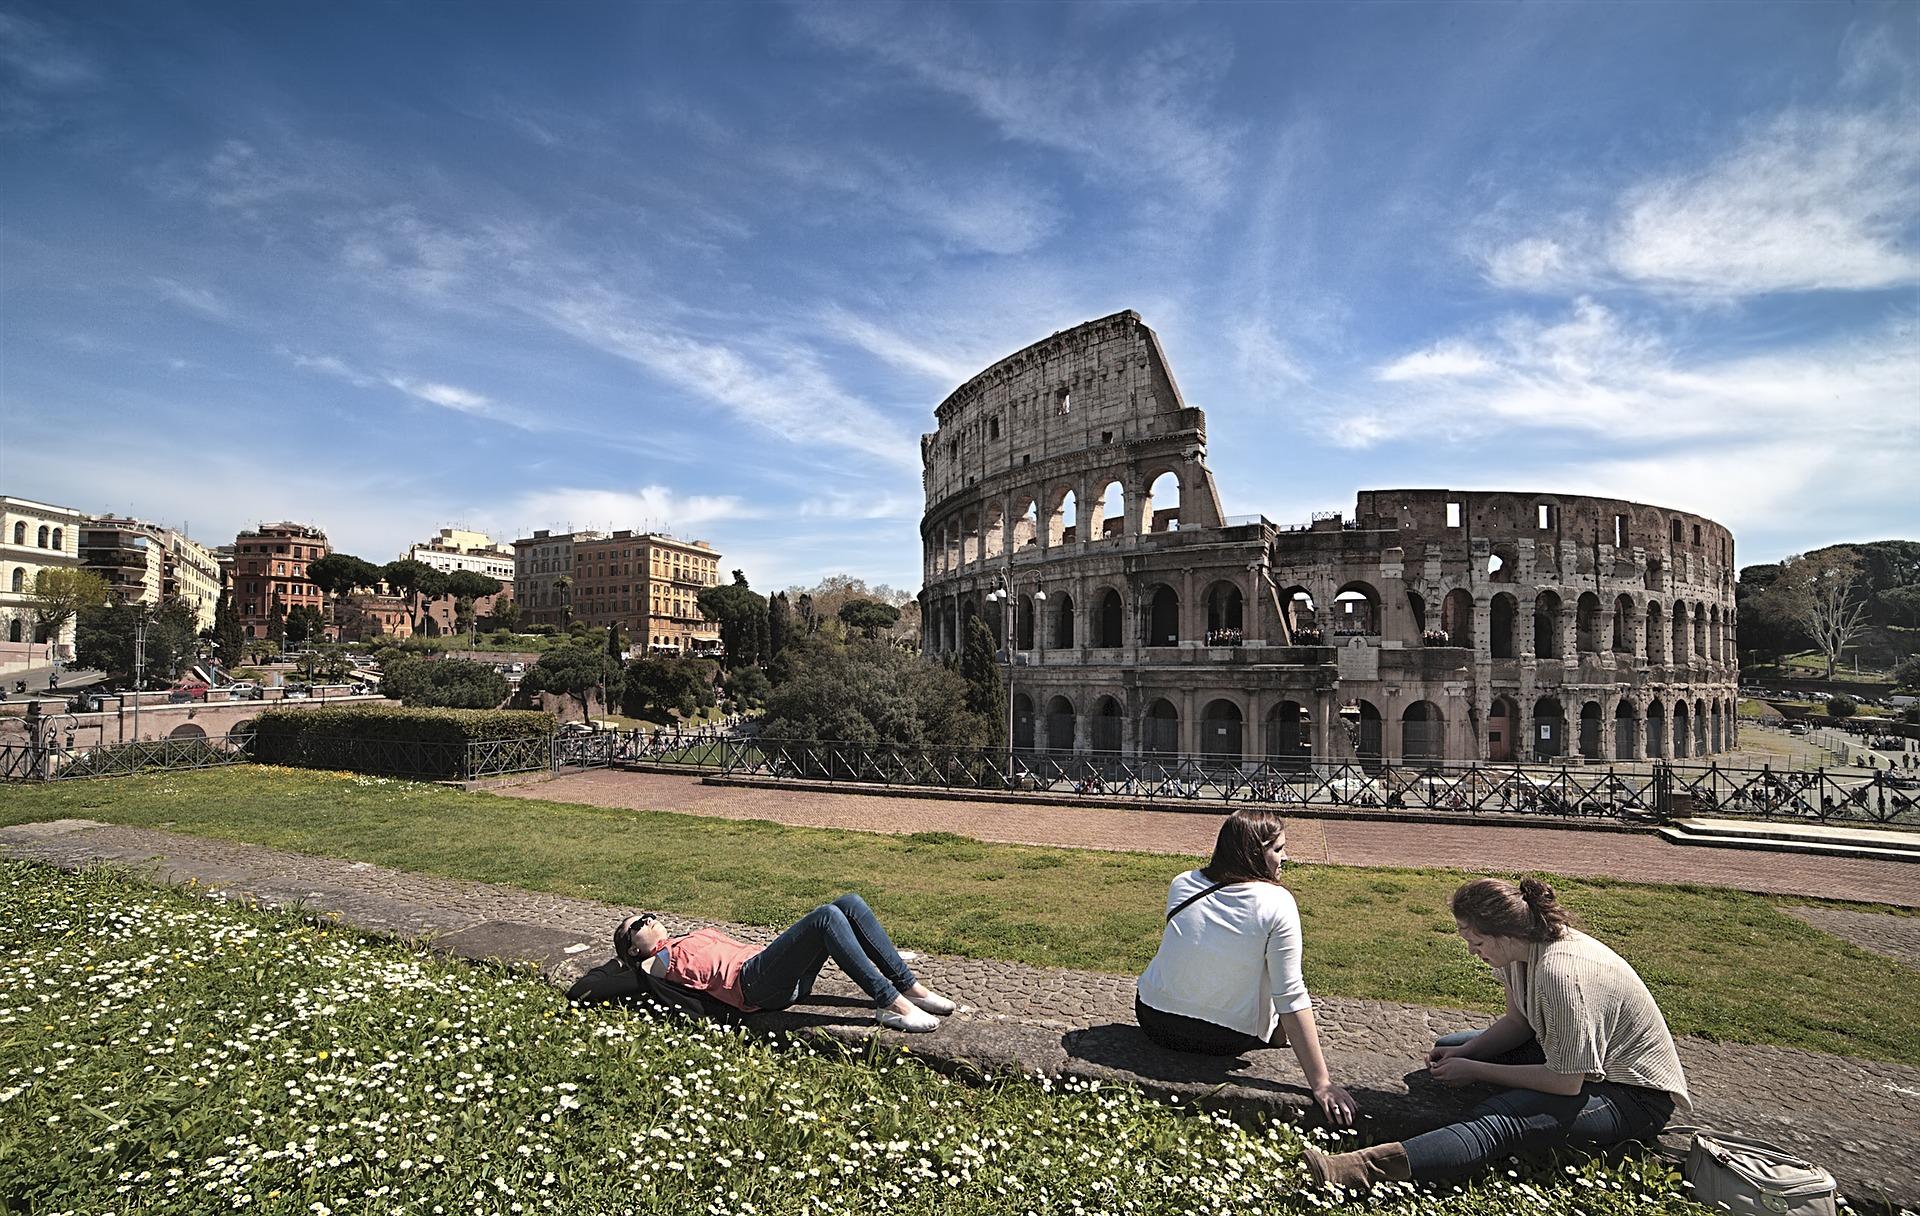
(1582, 1054)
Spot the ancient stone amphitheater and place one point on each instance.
(1432, 626)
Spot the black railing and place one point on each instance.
(1642, 792)
(54, 762)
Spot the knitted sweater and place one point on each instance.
(1593, 1015)
(1231, 958)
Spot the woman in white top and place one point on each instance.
(1582, 1054)
(1227, 977)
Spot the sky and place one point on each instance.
(709, 269)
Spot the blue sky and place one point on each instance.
(710, 268)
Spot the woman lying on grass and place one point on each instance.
(1582, 1054)
(753, 978)
(1227, 977)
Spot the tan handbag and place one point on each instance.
(1750, 1177)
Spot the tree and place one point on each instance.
(304, 623)
(564, 585)
(870, 692)
(616, 650)
(661, 687)
(779, 624)
(576, 670)
(326, 663)
(1901, 605)
(870, 617)
(1907, 673)
(1820, 591)
(338, 573)
(59, 594)
(742, 616)
(443, 683)
(259, 650)
(466, 586)
(105, 637)
(748, 687)
(277, 624)
(1841, 707)
(418, 581)
(506, 616)
(1768, 630)
(229, 644)
(986, 693)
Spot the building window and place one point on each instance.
(42, 536)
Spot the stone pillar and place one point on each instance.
(1189, 723)
(1253, 607)
(1607, 706)
(1392, 745)
(1323, 710)
(1191, 610)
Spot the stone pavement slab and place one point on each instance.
(1860, 1118)
(1634, 856)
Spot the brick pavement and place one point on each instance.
(1861, 1118)
(1585, 853)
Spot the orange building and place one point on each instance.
(270, 574)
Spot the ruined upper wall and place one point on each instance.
(1104, 382)
(1424, 517)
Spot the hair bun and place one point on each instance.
(1535, 892)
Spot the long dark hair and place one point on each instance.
(1527, 909)
(1240, 851)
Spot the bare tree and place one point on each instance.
(1821, 591)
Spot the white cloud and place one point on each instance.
(1261, 355)
(1810, 200)
(651, 507)
(1125, 121)
(836, 504)
(894, 348)
(1443, 360)
(330, 365)
(200, 299)
(447, 396)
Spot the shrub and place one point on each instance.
(402, 742)
(444, 683)
(870, 692)
(1841, 707)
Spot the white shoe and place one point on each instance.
(914, 1021)
(934, 1003)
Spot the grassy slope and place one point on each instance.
(1723, 964)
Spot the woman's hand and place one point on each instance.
(1445, 1053)
(1336, 1104)
(1453, 1069)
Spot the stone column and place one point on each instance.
(1392, 745)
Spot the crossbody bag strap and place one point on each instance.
(1197, 895)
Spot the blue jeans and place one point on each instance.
(844, 931)
(1518, 1120)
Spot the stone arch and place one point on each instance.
(42, 536)
(1023, 623)
(1623, 724)
(1656, 730)
(1501, 618)
(1503, 726)
(1297, 603)
(1160, 729)
(1289, 733)
(1713, 735)
(1546, 626)
(1456, 617)
(1623, 624)
(1108, 615)
(1700, 726)
(20, 532)
(1590, 742)
(1503, 564)
(1682, 730)
(187, 730)
(993, 531)
(1417, 608)
(1360, 718)
(1062, 638)
(1678, 655)
(1656, 633)
(1063, 516)
(1587, 623)
(1163, 617)
(1108, 725)
(1026, 522)
(59, 542)
(1697, 626)
(1356, 610)
(1423, 733)
(1109, 519)
(1022, 722)
(1155, 515)
(970, 537)
(1226, 611)
(1223, 730)
(1061, 726)
(1549, 729)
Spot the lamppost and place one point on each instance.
(1003, 594)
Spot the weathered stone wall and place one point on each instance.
(1434, 625)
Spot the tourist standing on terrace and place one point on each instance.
(1582, 1054)
(1227, 977)
(754, 978)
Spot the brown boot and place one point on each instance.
(1360, 1171)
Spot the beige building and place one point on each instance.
(145, 563)
(457, 549)
(649, 585)
(34, 536)
(540, 564)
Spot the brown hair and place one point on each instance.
(623, 935)
(1526, 909)
(1240, 851)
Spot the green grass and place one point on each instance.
(164, 1053)
(1723, 964)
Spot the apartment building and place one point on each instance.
(34, 536)
(543, 582)
(649, 584)
(145, 563)
(270, 572)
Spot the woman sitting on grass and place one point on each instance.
(752, 978)
(1227, 977)
(1581, 1055)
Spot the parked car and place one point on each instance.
(243, 690)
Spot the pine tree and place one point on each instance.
(779, 624)
(986, 695)
(229, 646)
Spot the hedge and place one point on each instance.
(390, 741)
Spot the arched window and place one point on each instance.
(1222, 731)
(1360, 720)
(1456, 617)
(42, 536)
(1107, 618)
(1546, 626)
(19, 531)
(1500, 619)
(1062, 622)
(1160, 732)
(1161, 511)
(1587, 623)
(1224, 604)
(1289, 734)
(1590, 731)
(1060, 727)
(59, 538)
(1108, 721)
(1623, 625)
(1111, 512)
(1022, 722)
(13, 630)
(1163, 618)
(1023, 624)
(1623, 718)
(1656, 730)
(1502, 721)
(19, 579)
(1423, 731)
(1063, 517)
(1356, 611)
(1549, 729)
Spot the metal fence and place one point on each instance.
(56, 762)
(1649, 792)
(421, 760)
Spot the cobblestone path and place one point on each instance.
(1861, 1118)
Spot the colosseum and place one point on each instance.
(1433, 626)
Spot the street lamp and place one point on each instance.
(1003, 594)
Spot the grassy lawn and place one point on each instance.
(1723, 964)
(165, 1053)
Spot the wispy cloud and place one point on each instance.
(446, 396)
(837, 504)
(655, 507)
(1143, 117)
(202, 300)
(1441, 360)
(1810, 200)
(895, 348)
(38, 68)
